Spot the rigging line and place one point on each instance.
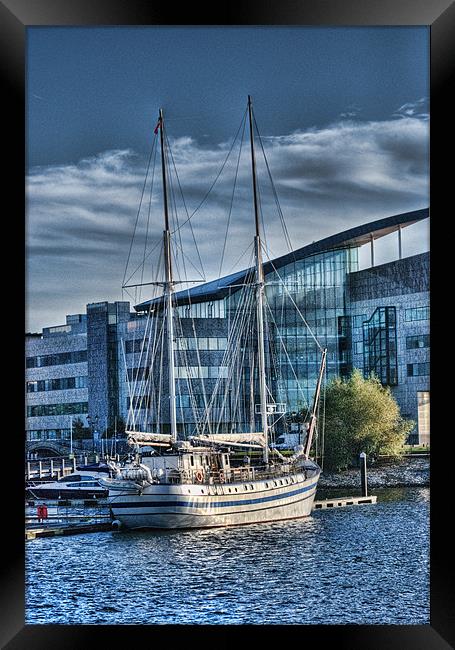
(143, 358)
(295, 304)
(239, 335)
(139, 208)
(275, 194)
(232, 358)
(287, 355)
(323, 418)
(249, 269)
(148, 221)
(219, 173)
(184, 205)
(230, 377)
(229, 354)
(159, 243)
(189, 377)
(180, 247)
(232, 197)
(150, 382)
(182, 353)
(177, 245)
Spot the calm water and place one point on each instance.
(367, 564)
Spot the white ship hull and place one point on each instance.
(204, 506)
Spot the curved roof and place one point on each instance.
(354, 237)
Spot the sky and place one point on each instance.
(343, 115)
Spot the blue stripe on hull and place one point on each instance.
(204, 514)
(189, 503)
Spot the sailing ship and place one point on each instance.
(202, 480)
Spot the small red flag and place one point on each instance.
(157, 127)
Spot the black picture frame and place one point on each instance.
(15, 17)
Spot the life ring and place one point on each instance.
(221, 477)
(199, 476)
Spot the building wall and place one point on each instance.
(103, 319)
(332, 295)
(403, 284)
(54, 343)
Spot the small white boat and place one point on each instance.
(82, 484)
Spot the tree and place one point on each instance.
(80, 432)
(361, 415)
(118, 430)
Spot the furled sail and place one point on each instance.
(244, 439)
(142, 438)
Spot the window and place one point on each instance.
(379, 346)
(138, 374)
(60, 329)
(57, 409)
(201, 343)
(420, 341)
(62, 383)
(417, 313)
(76, 356)
(358, 347)
(418, 369)
(134, 346)
(357, 321)
(200, 372)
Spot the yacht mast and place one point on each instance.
(259, 295)
(168, 290)
(312, 422)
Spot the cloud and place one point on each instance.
(81, 216)
(417, 109)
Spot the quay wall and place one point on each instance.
(405, 472)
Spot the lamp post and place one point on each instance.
(71, 436)
(93, 424)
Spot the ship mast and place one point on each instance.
(312, 422)
(259, 295)
(168, 290)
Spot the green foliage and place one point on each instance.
(80, 432)
(119, 430)
(361, 415)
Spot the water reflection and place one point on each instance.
(366, 565)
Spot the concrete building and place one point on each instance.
(376, 319)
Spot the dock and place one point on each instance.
(74, 524)
(66, 525)
(342, 502)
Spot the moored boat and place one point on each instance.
(202, 480)
(85, 483)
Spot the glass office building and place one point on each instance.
(375, 319)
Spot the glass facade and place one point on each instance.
(312, 291)
(418, 369)
(419, 341)
(77, 356)
(57, 409)
(61, 383)
(416, 314)
(380, 346)
(34, 435)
